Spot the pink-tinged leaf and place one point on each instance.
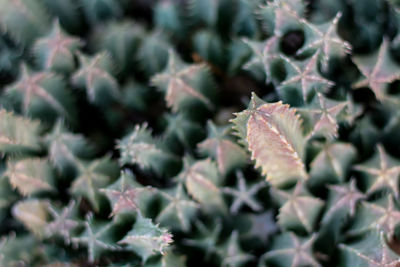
(30, 175)
(275, 140)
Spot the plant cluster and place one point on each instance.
(199, 133)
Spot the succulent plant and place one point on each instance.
(173, 133)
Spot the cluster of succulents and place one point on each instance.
(199, 133)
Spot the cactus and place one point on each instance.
(171, 133)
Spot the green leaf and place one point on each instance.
(146, 239)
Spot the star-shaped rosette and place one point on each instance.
(65, 147)
(331, 164)
(36, 93)
(290, 250)
(382, 215)
(243, 195)
(231, 253)
(126, 195)
(56, 51)
(324, 38)
(96, 238)
(222, 148)
(299, 209)
(343, 198)
(384, 171)
(324, 114)
(179, 210)
(378, 69)
(304, 76)
(206, 239)
(95, 75)
(257, 226)
(371, 251)
(183, 84)
(91, 177)
(63, 222)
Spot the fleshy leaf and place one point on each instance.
(222, 148)
(146, 239)
(274, 137)
(299, 209)
(17, 133)
(139, 147)
(201, 180)
(33, 214)
(30, 175)
(125, 195)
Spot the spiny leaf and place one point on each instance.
(125, 195)
(146, 239)
(18, 133)
(30, 175)
(274, 137)
(139, 147)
